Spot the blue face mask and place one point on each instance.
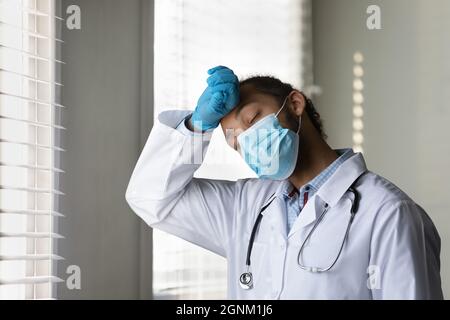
(269, 149)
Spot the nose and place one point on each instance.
(231, 138)
(231, 135)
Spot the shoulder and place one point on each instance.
(391, 207)
(380, 189)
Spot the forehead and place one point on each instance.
(250, 95)
(251, 100)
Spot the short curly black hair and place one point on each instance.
(280, 90)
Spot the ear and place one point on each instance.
(297, 103)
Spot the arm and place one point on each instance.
(163, 192)
(404, 255)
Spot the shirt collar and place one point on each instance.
(288, 190)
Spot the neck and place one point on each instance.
(313, 158)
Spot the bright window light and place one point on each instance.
(251, 37)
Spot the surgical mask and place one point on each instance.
(269, 149)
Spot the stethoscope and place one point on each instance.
(246, 278)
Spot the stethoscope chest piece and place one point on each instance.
(246, 280)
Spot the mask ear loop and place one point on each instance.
(299, 118)
(299, 124)
(284, 103)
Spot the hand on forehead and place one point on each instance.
(253, 105)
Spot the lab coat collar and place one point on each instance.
(337, 185)
(330, 192)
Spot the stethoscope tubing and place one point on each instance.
(255, 227)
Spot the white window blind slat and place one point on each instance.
(31, 167)
(30, 99)
(32, 190)
(33, 123)
(29, 144)
(31, 257)
(20, 75)
(13, 28)
(30, 147)
(31, 212)
(30, 235)
(18, 53)
(30, 280)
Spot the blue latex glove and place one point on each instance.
(218, 99)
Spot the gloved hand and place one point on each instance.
(218, 99)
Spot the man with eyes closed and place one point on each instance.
(314, 224)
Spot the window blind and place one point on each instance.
(30, 145)
(252, 37)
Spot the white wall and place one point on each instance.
(407, 81)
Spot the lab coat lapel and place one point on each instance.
(331, 192)
(276, 213)
(308, 215)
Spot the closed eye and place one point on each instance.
(254, 118)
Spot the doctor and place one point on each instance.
(315, 225)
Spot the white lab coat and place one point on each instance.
(392, 251)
